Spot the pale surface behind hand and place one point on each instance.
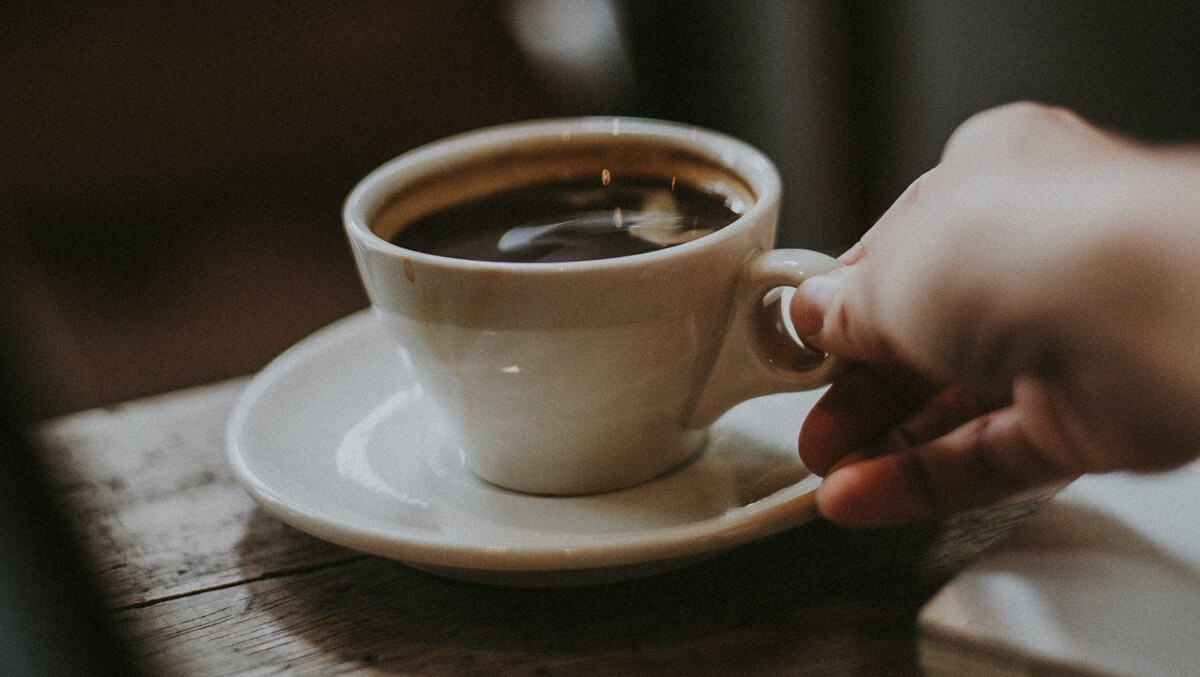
(1106, 577)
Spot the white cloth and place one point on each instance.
(1106, 576)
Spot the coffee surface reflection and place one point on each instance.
(572, 220)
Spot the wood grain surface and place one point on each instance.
(206, 583)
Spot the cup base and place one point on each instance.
(617, 472)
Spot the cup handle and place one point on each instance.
(757, 357)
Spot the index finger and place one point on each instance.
(862, 404)
(986, 460)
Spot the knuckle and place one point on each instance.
(842, 321)
(916, 473)
(1011, 127)
(912, 195)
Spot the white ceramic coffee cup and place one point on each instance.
(589, 376)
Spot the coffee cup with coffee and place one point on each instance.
(583, 297)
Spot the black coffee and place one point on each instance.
(573, 220)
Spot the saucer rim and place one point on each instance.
(782, 510)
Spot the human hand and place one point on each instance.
(1000, 317)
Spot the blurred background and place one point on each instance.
(173, 172)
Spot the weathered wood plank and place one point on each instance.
(745, 613)
(158, 506)
(816, 600)
(206, 583)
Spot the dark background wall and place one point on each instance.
(172, 174)
(854, 100)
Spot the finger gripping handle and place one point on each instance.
(757, 357)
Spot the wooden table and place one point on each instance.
(207, 583)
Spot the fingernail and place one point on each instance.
(826, 496)
(808, 305)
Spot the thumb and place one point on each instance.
(827, 312)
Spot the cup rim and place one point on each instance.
(733, 155)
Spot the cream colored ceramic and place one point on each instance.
(338, 438)
(587, 376)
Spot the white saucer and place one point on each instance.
(336, 439)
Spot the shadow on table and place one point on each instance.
(817, 599)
